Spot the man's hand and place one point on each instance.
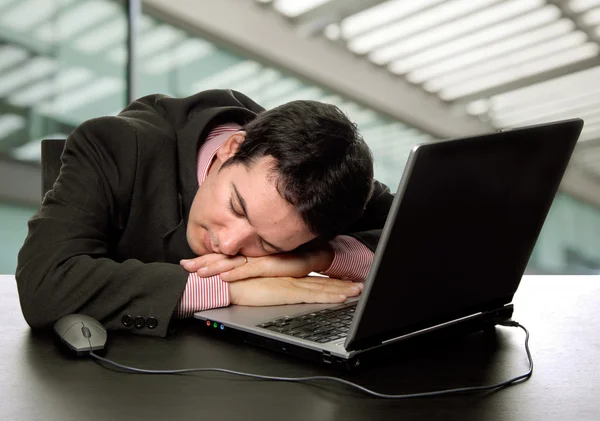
(235, 268)
(286, 290)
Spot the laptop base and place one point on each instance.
(375, 355)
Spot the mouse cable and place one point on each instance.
(506, 383)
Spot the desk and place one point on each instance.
(37, 382)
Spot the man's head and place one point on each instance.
(295, 173)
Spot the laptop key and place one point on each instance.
(277, 329)
(282, 322)
(323, 329)
(298, 323)
(306, 329)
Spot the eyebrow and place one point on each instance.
(243, 205)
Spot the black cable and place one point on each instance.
(506, 383)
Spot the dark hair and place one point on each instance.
(322, 164)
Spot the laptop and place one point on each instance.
(456, 242)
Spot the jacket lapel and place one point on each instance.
(175, 245)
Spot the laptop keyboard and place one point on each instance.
(321, 326)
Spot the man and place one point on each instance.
(178, 205)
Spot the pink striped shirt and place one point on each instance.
(351, 260)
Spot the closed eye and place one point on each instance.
(235, 212)
(264, 247)
(261, 242)
(244, 214)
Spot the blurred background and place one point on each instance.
(405, 71)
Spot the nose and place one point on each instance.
(233, 238)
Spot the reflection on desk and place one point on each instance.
(562, 314)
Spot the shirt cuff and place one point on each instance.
(351, 261)
(202, 294)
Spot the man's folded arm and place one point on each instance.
(64, 265)
(202, 294)
(353, 252)
(351, 259)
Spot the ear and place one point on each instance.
(230, 147)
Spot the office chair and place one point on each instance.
(51, 152)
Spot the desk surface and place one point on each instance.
(562, 314)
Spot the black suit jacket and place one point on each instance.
(108, 237)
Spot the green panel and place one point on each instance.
(570, 239)
(13, 226)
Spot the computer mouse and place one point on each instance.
(81, 333)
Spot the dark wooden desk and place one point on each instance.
(37, 382)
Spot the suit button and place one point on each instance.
(139, 322)
(151, 322)
(127, 320)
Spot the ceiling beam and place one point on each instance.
(551, 74)
(531, 80)
(332, 11)
(566, 12)
(261, 33)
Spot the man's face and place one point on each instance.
(238, 210)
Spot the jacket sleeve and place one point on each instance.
(368, 228)
(64, 265)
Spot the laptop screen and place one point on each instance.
(462, 228)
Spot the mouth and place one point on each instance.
(208, 243)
